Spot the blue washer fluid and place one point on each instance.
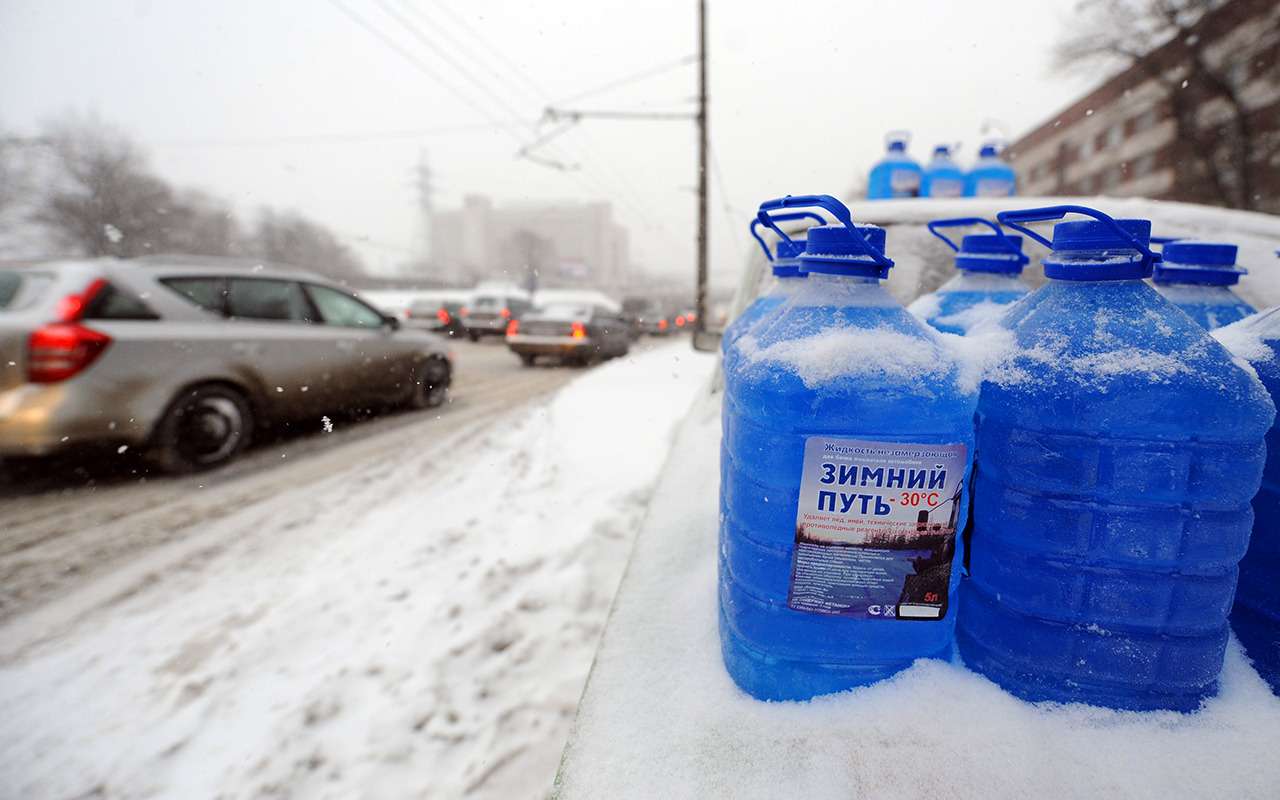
(942, 177)
(989, 266)
(787, 277)
(1119, 448)
(1256, 614)
(990, 176)
(895, 175)
(847, 445)
(1197, 277)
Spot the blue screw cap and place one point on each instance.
(1202, 263)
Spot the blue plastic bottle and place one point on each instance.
(895, 175)
(942, 176)
(1256, 614)
(1197, 277)
(846, 452)
(785, 268)
(990, 176)
(989, 265)
(1119, 448)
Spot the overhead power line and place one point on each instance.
(633, 78)
(338, 138)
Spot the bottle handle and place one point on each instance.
(833, 207)
(1024, 215)
(964, 221)
(755, 225)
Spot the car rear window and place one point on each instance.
(208, 293)
(18, 290)
(488, 302)
(114, 303)
(262, 298)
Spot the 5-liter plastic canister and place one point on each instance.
(1119, 448)
(897, 174)
(990, 176)
(1256, 614)
(848, 438)
(989, 265)
(1197, 277)
(942, 177)
(785, 271)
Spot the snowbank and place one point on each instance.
(661, 718)
(421, 629)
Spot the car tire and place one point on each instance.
(431, 384)
(203, 428)
(528, 359)
(473, 336)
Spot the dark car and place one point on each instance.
(569, 332)
(647, 316)
(437, 315)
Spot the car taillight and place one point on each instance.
(506, 313)
(513, 327)
(71, 307)
(662, 324)
(680, 321)
(462, 312)
(579, 332)
(443, 316)
(59, 351)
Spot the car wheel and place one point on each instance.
(527, 359)
(430, 384)
(205, 427)
(473, 336)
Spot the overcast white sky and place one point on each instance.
(223, 95)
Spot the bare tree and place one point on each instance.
(107, 203)
(1166, 41)
(289, 238)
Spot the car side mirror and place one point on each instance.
(391, 323)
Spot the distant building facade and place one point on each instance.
(566, 243)
(1122, 138)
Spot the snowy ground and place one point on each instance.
(418, 629)
(661, 717)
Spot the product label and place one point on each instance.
(946, 188)
(876, 528)
(994, 187)
(904, 182)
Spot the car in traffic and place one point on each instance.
(184, 360)
(440, 314)
(573, 333)
(490, 313)
(647, 316)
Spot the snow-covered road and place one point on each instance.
(418, 623)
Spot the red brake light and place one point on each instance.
(71, 307)
(443, 316)
(662, 324)
(506, 313)
(59, 351)
(579, 332)
(462, 312)
(513, 327)
(680, 321)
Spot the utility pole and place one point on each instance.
(700, 301)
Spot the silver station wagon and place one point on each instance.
(187, 358)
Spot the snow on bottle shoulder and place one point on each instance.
(989, 267)
(1121, 446)
(784, 266)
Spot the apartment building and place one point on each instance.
(1124, 139)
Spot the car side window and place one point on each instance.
(113, 303)
(267, 299)
(343, 310)
(208, 293)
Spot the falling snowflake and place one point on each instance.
(113, 234)
(122, 448)
(327, 424)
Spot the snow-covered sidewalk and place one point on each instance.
(422, 629)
